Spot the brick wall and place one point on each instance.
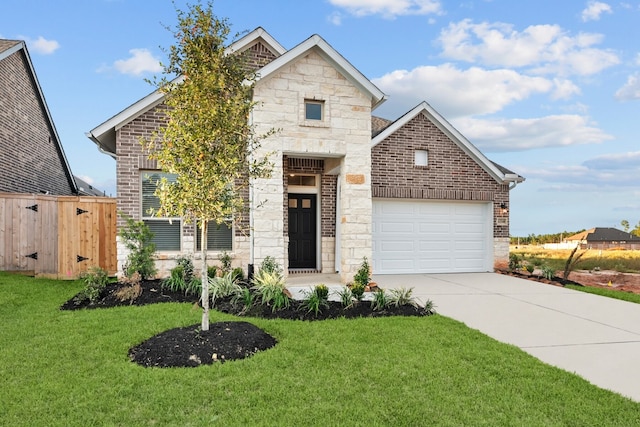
(30, 160)
(450, 175)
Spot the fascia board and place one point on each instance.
(258, 33)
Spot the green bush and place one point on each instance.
(95, 279)
(346, 297)
(514, 262)
(316, 299)
(362, 276)
(223, 286)
(270, 287)
(225, 262)
(380, 300)
(137, 238)
(401, 296)
(270, 265)
(357, 291)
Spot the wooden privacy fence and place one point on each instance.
(57, 236)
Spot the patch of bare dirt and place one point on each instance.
(628, 282)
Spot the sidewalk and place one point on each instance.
(595, 337)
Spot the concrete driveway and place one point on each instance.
(595, 337)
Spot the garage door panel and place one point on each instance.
(412, 236)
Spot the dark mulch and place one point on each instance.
(190, 346)
(555, 280)
(224, 341)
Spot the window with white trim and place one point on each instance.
(421, 158)
(166, 230)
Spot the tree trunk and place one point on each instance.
(205, 278)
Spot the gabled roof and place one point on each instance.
(8, 48)
(497, 172)
(86, 189)
(330, 55)
(104, 135)
(604, 234)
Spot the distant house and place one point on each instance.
(31, 156)
(86, 189)
(605, 238)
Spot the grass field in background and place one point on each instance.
(623, 261)
(70, 368)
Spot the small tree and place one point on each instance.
(137, 238)
(207, 142)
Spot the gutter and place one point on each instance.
(513, 180)
(97, 142)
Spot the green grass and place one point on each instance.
(61, 368)
(611, 293)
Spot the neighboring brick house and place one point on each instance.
(31, 156)
(336, 195)
(604, 238)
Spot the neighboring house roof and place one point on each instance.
(104, 135)
(378, 124)
(499, 173)
(8, 48)
(86, 189)
(604, 234)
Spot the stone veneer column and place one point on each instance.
(268, 217)
(355, 211)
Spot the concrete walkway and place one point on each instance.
(595, 337)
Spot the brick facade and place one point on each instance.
(31, 160)
(450, 175)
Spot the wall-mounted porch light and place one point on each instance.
(503, 208)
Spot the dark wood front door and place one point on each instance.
(302, 231)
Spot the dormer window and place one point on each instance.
(313, 110)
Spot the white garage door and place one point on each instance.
(431, 237)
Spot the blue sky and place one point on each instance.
(549, 89)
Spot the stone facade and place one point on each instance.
(344, 135)
(31, 158)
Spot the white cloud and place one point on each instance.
(510, 135)
(616, 162)
(42, 45)
(140, 62)
(631, 89)
(335, 18)
(541, 48)
(455, 92)
(389, 8)
(593, 11)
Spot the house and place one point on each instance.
(31, 156)
(412, 195)
(86, 189)
(604, 238)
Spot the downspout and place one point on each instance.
(251, 208)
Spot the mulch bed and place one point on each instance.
(555, 280)
(224, 341)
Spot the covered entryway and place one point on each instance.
(302, 231)
(420, 236)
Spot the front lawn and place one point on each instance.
(70, 368)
